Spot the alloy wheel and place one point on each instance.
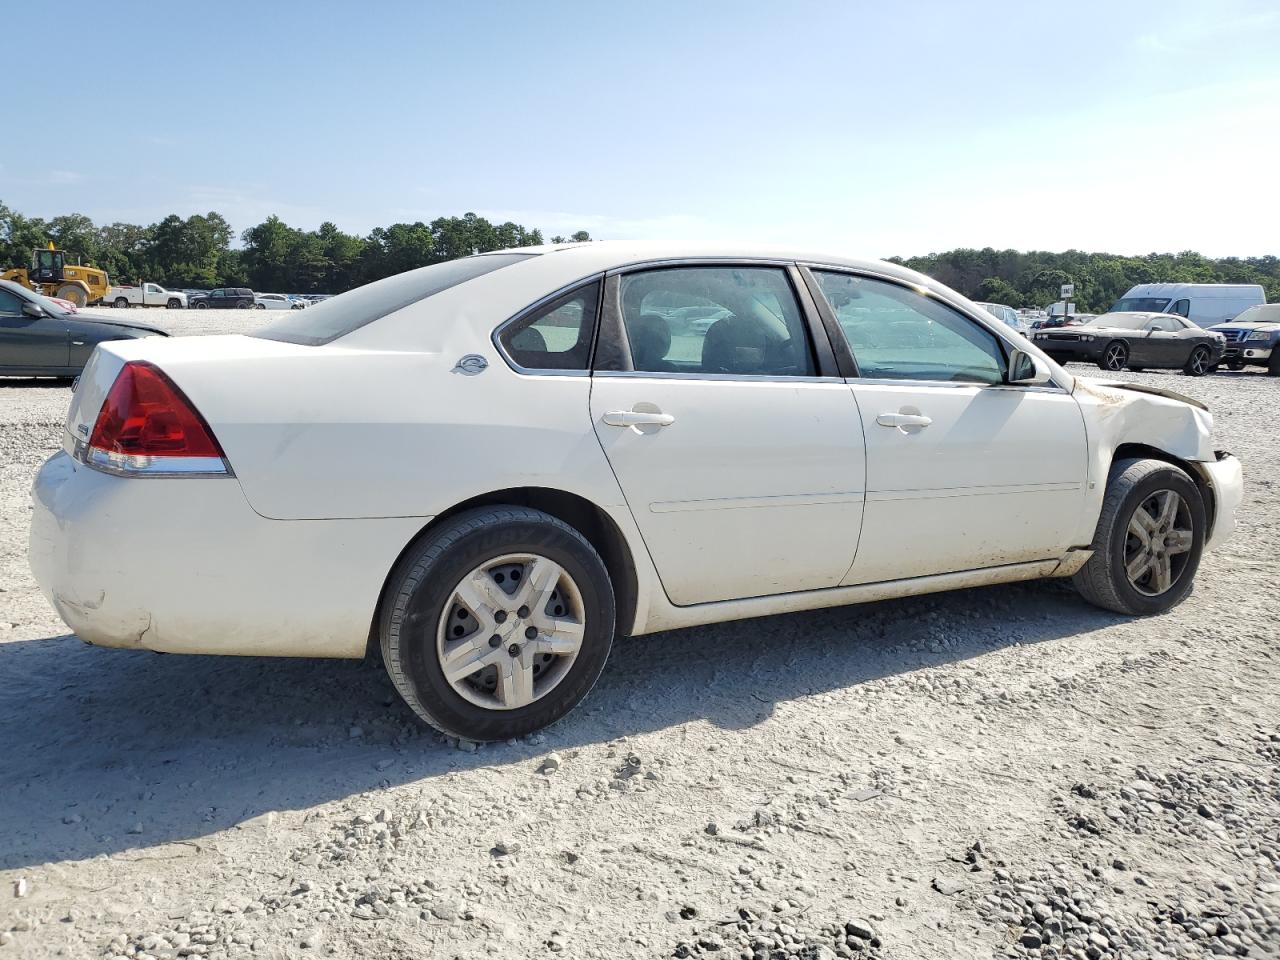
(1158, 542)
(510, 631)
(1115, 357)
(1199, 361)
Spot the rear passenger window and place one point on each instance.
(742, 321)
(556, 336)
(898, 334)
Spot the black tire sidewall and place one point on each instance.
(1189, 369)
(416, 617)
(1167, 479)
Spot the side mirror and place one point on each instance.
(1025, 371)
(32, 309)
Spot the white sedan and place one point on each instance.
(490, 467)
(274, 301)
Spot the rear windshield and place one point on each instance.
(338, 316)
(1139, 305)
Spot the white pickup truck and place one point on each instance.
(147, 295)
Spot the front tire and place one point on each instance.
(173, 304)
(1115, 356)
(1150, 535)
(1199, 363)
(508, 574)
(1273, 364)
(202, 305)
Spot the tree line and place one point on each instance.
(197, 251)
(1035, 279)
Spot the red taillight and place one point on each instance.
(146, 415)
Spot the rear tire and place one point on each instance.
(430, 615)
(1198, 363)
(120, 303)
(1116, 578)
(1235, 365)
(245, 305)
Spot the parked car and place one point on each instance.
(1136, 340)
(66, 305)
(1007, 315)
(475, 466)
(226, 298)
(1251, 338)
(1204, 304)
(38, 338)
(146, 295)
(275, 301)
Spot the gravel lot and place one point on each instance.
(994, 772)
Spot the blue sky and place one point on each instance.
(862, 127)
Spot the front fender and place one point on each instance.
(1119, 414)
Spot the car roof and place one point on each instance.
(621, 253)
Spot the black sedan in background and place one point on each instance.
(40, 339)
(1136, 340)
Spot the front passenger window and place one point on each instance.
(898, 334)
(10, 305)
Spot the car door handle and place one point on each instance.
(903, 420)
(636, 418)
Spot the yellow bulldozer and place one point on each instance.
(50, 274)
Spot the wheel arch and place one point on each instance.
(578, 512)
(1199, 477)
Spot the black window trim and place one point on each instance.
(613, 349)
(563, 293)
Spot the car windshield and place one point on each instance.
(1119, 321)
(338, 316)
(1141, 304)
(1260, 313)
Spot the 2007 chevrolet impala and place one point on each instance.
(493, 465)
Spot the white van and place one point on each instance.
(1204, 304)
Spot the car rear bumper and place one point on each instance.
(1226, 478)
(186, 566)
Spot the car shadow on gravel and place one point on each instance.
(103, 751)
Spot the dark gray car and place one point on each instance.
(1135, 340)
(40, 339)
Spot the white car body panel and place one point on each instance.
(755, 489)
(761, 497)
(186, 566)
(273, 301)
(997, 477)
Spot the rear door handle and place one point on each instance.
(635, 418)
(903, 420)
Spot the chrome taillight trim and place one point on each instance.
(124, 465)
